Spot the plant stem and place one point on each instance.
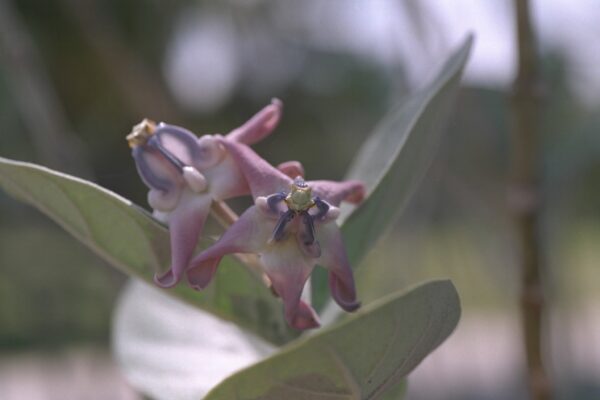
(525, 201)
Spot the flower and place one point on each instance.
(292, 227)
(185, 174)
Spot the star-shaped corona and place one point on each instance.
(292, 227)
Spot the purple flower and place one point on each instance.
(185, 174)
(292, 227)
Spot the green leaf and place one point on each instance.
(396, 156)
(360, 358)
(128, 238)
(169, 350)
(391, 163)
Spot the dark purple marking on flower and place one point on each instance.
(306, 236)
(154, 143)
(308, 233)
(284, 220)
(274, 200)
(323, 208)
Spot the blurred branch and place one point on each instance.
(38, 102)
(141, 89)
(524, 197)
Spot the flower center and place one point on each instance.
(300, 197)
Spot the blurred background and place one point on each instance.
(76, 75)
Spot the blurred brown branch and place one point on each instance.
(36, 98)
(142, 90)
(524, 197)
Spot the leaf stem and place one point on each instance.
(525, 199)
(224, 215)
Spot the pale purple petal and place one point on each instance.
(259, 126)
(262, 177)
(185, 225)
(288, 271)
(291, 168)
(177, 142)
(334, 259)
(164, 201)
(155, 170)
(210, 152)
(226, 180)
(249, 234)
(335, 192)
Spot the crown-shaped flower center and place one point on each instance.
(300, 196)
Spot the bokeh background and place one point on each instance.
(75, 75)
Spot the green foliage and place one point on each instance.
(358, 359)
(396, 156)
(394, 159)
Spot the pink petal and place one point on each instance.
(259, 126)
(249, 234)
(334, 258)
(185, 225)
(262, 177)
(288, 271)
(226, 180)
(305, 318)
(336, 192)
(291, 169)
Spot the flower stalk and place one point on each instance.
(525, 198)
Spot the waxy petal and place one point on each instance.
(178, 142)
(248, 234)
(259, 126)
(335, 192)
(155, 170)
(291, 168)
(164, 201)
(334, 259)
(305, 318)
(288, 271)
(262, 177)
(225, 180)
(185, 225)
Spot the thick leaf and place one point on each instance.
(396, 156)
(392, 162)
(359, 359)
(171, 351)
(128, 238)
